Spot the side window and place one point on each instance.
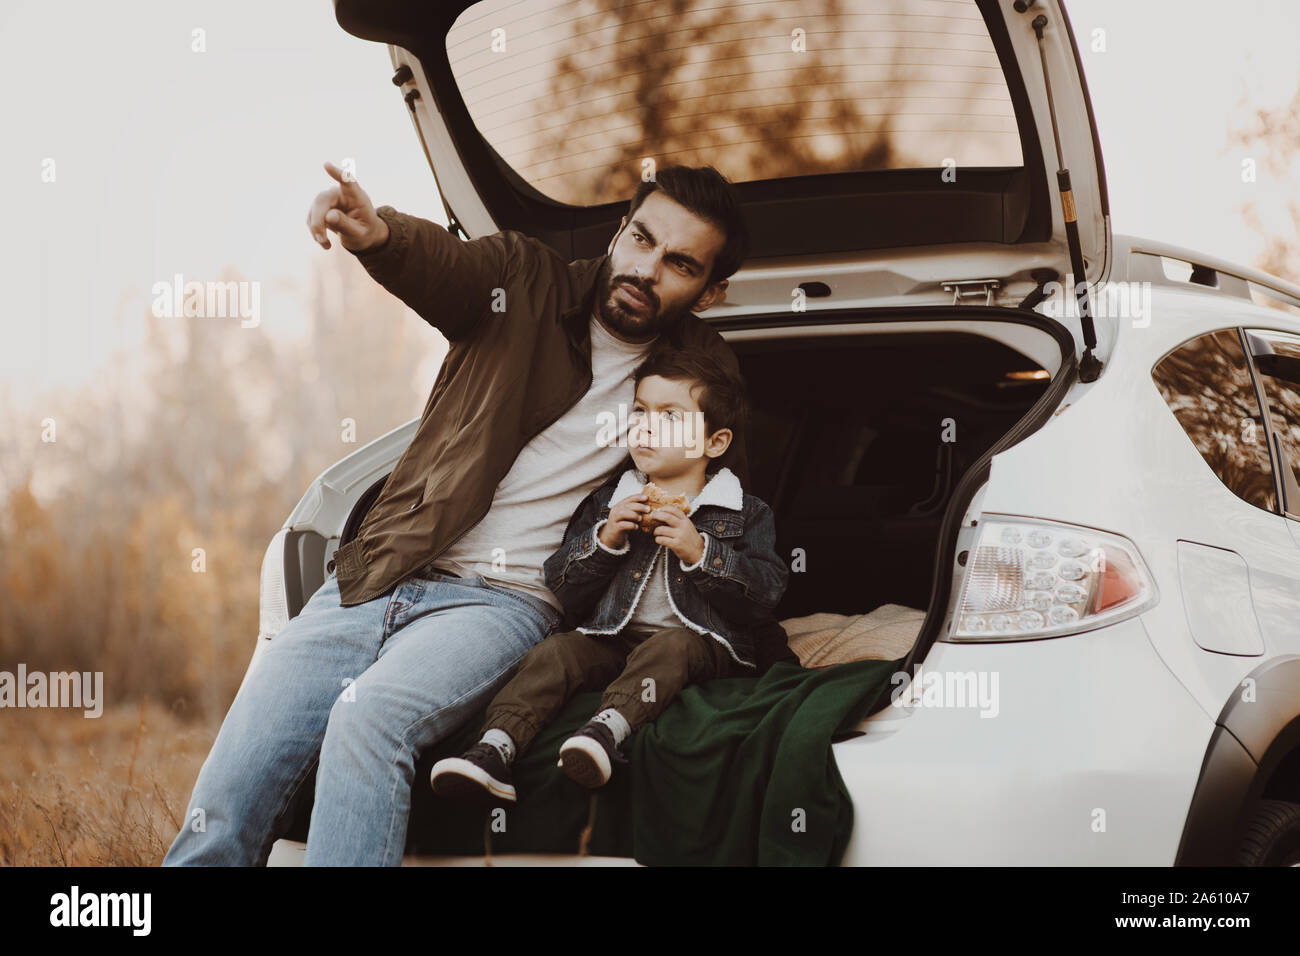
(1278, 364)
(1207, 385)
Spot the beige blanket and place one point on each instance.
(885, 634)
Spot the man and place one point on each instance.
(432, 604)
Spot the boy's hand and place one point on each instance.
(624, 516)
(678, 534)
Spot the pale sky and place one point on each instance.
(169, 161)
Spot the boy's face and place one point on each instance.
(658, 269)
(667, 435)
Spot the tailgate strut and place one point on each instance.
(1089, 364)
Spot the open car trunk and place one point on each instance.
(937, 148)
(869, 435)
(858, 442)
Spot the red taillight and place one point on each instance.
(1118, 581)
(1030, 578)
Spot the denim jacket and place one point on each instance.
(729, 593)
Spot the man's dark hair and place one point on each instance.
(722, 398)
(707, 193)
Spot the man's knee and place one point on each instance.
(353, 711)
(368, 718)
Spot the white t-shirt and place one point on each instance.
(551, 476)
(652, 611)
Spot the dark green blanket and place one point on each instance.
(736, 771)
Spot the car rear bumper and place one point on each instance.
(1089, 755)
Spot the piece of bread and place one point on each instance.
(658, 498)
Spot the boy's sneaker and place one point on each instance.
(588, 757)
(479, 775)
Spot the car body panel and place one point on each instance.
(1122, 463)
(1069, 769)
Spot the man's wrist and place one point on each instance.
(377, 246)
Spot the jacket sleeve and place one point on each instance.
(744, 580)
(581, 570)
(449, 283)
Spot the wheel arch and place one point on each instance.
(1253, 754)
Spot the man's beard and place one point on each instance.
(632, 325)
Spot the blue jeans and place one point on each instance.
(367, 687)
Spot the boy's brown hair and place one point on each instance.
(722, 399)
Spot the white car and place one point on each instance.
(1098, 514)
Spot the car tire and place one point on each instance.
(1272, 837)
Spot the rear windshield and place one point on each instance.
(583, 99)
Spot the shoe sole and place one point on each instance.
(459, 779)
(584, 761)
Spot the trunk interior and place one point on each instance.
(857, 442)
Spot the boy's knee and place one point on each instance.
(679, 642)
(564, 650)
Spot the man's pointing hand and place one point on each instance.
(347, 210)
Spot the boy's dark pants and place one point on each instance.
(623, 664)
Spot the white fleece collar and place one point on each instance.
(722, 489)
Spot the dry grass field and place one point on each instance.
(106, 791)
(134, 512)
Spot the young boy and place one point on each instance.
(666, 596)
